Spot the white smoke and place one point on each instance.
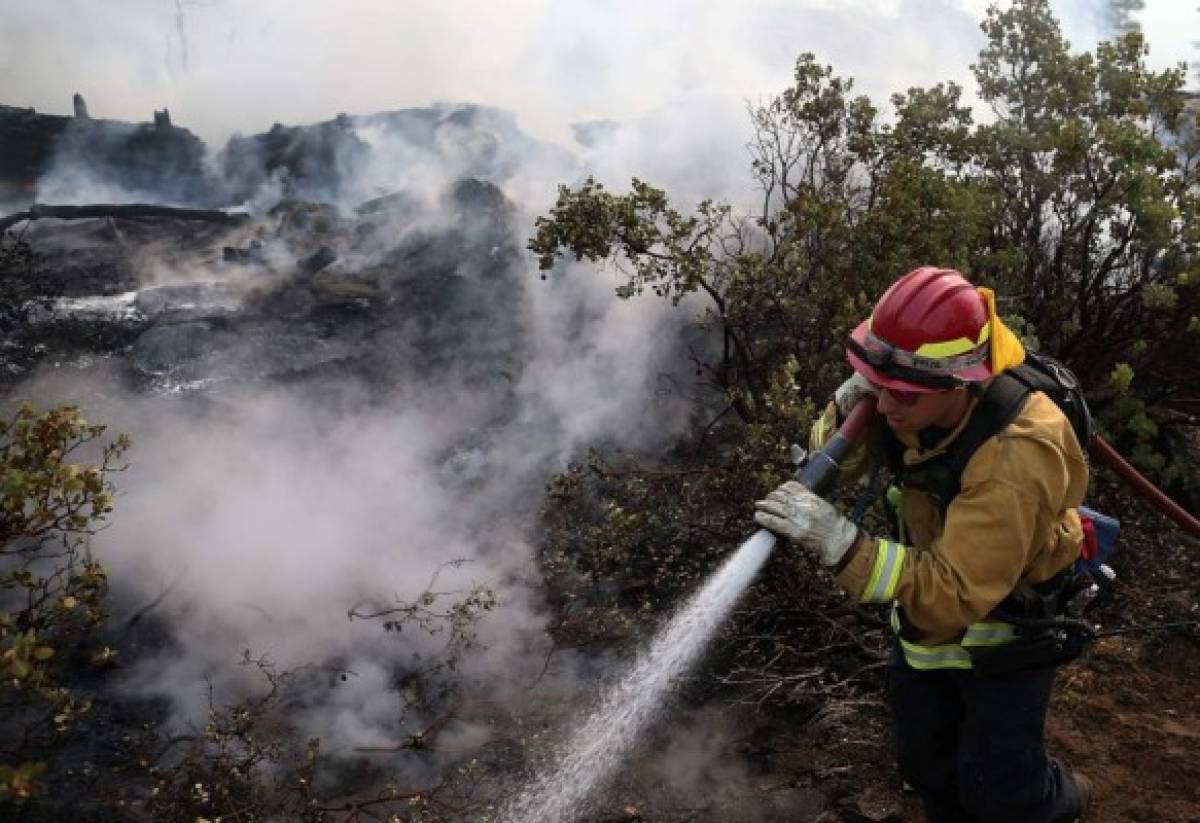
(249, 65)
(261, 516)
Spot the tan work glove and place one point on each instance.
(845, 398)
(847, 395)
(804, 518)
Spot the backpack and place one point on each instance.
(1001, 402)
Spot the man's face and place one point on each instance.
(913, 411)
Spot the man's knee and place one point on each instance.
(928, 769)
(1003, 789)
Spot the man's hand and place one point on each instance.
(796, 513)
(847, 395)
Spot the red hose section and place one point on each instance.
(1145, 489)
(858, 419)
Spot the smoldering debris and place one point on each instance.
(381, 298)
(334, 402)
(125, 210)
(348, 160)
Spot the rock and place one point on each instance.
(318, 260)
(399, 203)
(877, 805)
(252, 254)
(164, 350)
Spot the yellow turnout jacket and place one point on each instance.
(1014, 518)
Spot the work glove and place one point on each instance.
(804, 518)
(847, 395)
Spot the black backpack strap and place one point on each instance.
(893, 453)
(941, 477)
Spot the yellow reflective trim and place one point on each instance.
(992, 633)
(885, 574)
(953, 655)
(986, 331)
(959, 345)
(948, 348)
(876, 568)
(950, 656)
(891, 578)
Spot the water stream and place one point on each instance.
(595, 751)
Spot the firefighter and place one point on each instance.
(971, 744)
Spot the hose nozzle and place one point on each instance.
(821, 468)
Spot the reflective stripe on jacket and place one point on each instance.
(1014, 518)
(952, 655)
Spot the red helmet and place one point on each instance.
(929, 332)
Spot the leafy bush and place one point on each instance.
(249, 759)
(51, 590)
(1076, 200)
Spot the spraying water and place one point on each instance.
(593, 753)
(561, 794)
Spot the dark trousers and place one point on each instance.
(974, 747)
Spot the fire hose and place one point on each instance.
(1153, 495)
(820, 469)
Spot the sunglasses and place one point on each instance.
(904, 398)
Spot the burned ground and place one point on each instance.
(1125, 714)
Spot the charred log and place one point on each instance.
(127, 210)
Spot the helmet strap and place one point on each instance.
(941, 382)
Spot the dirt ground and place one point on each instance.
(1130, 712)
(1128, 716)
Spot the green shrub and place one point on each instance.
(52, 497)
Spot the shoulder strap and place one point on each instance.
(893, 452)
(1000, 404)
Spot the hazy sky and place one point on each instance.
(224, 66)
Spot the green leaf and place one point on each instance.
(1121, 377)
